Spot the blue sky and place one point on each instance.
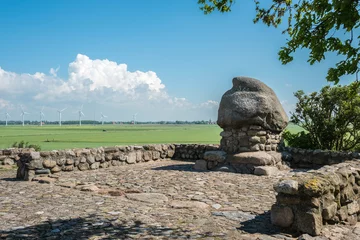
(179, 61)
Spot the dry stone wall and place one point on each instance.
(249, 139)
(11, 155)
(307, 158)
(33, 163)
(307, 201)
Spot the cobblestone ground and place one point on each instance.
(158, 200)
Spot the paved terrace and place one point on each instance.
(158, 200)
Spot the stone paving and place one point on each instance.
(158, 200)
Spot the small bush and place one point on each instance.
(23, 144)
(299, 140)
(331, 118)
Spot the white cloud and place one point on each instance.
(100, 81)
(209, 104)
(53, 71)
(4, 104)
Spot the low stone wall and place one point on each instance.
(308, 200)
(31, 163)
(249, 139)
(11, 155)
(307, 158)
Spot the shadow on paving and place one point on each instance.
(178, 167)
(261, 224)
(11, 179)
(93, 227)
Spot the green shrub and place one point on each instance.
(23, 144)
(331, 117)
(298, 140)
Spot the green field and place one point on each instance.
(65, 137)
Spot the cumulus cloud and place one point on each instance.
(98, 80)
(95, 78)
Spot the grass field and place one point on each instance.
(65, 137)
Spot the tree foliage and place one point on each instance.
(318, 25)
(331, 116)
(299, 140)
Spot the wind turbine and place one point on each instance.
(134, 118)
(41, 116)
(102, 118)
(60, 111)
(80, 114)
(23, 113)
(7, 115)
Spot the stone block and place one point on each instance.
(131, 158)
(254, 139)
(255, 147)
(265, 170)
(170, 153)
(353, 208)
(68, 168)
(218, 156)
(253, 158)
(42, 171)
(110, 149)
(147, 156)
(35, 155)
(8, 161)
(48, 163)
(155, 155)
(308, 221)
(90, 159)
(225, 134)
(55, 169)
(83, 166)
(60, 161)
(104, 165)
(286, 199)
(211, 164)
(98, 158)
(29, 175)
(139, 156)
(200, 165)
(329, 211)
(35, 164)
(69, 161)
(282, 216)
(342, 213)
(95, 166)
(287, 187)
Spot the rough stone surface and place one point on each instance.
(251, 102)
(287, 186)
(60, 210)
(253, 158)
(218, 156)
(327, 195)
(201, 165)
(282, 216)
(265, 170)
(148, 197)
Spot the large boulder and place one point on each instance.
(251, 102)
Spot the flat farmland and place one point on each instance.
(65, 137)
(71, 136)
